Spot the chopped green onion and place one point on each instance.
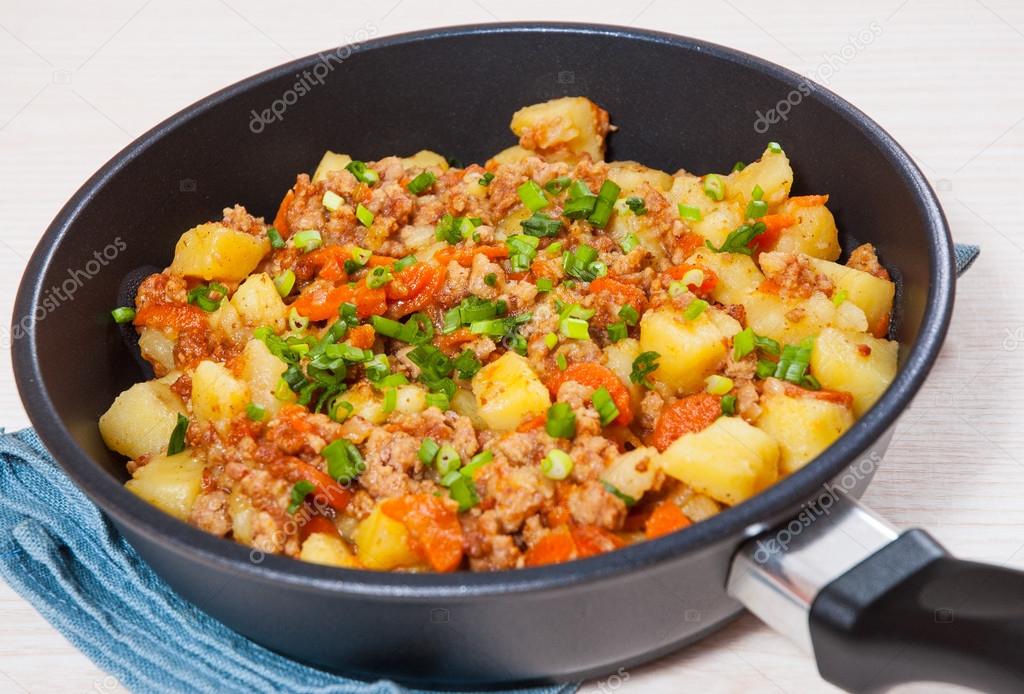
(575, 328)
(728, 405)
(463, 493)
(637, 205)
(557, 185)
(757, 193)
(554, 249)
(541, 225)
(422, 181)
(677, 288)
(307, 240)
(765, 368)
(614, 491)
(284, 283)
(629, 315)
(467, 364)
(283, 391)
(544, 284)
(362, 172)
(176, 444)
(561, 421)
(739, 166)
(617, 331)
(447, 460)
(757, 208)
(839, 297)
(344, 462)
(201, 296)
(275, 238)
(561, 362)
(300, 490)
(390, 400)
(739, 239)
(331, 200)
(428, 451)
(604, 405)
(556, 465)
(255, 412)
(714, 188)
(578, 189)
(532, 196)
(745, 341)
(416, 330)
(550, 340)
(794, 361)
(486, 179)
(774, 147)
(717, 384)
(605, 203)
(581, 207)
(447, 230)
(522, 249)
(123, 314)
(580, 263)
(644, 365)
(336, 405)
(438, 400)
(491, 279)
(690, 212)
(377, 368)
(364, 215)
(630, 242)
(476, 462)
(378, 277)
(694, 309)
(811, 382)
(405, 263)
(694, 277)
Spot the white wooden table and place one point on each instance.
(79, 81)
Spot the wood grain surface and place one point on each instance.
(78, 81)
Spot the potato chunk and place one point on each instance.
(803, 425)
(508, 391)
(383, 543)
(813, 232)
(562, 129)
(157, 349)
(632, 473)
(691, 350)
(717, 219)
(631, 177)
(171, 483)
(792, 321)
(772, 172)
(141, 419)
(871, 294)
(261, 371)
(858, 364)
(329, 550)
(730, 460)
(258, 302)
(214, 252)
(217, 395)
(738, 276)
(331, 161)
(425, 159)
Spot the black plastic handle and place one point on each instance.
(910, 612)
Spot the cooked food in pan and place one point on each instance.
(420, 366)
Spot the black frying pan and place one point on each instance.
(874, 608)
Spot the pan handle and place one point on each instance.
(878, 609)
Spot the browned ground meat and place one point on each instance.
(864, 258)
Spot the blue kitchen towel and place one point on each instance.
(60, 554)
(965, 255)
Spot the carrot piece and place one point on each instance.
(591, 540)
(433, 526)
(774, 224)
(879, 329)
(452, 341)
(677, 272)
(685, 416)
(177, 316)
(809, 200)
(281, 218)
(595, 376)
(664, 519)
(362, 336)
(326, 489)
(554, 548)
(547, 268)
(837, 396)
(318, 524)
(317, 302)
(531, 424)
(689, 243)
(624, 293)
(769, 287)
(420, 290)
(464, 256)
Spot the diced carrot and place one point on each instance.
(433, 526)
(418, 289)
(317, 302)
(689, 243)
(411, 281)
(362, 336)
(879, 329)
(595, 376)
(326, 489)
(464, 256)
(624, 293)
(361, 193)
(774, 224)
(176, 316)
(769, 287)
(591, 540)
(532, 424)
(809, 200)
(685, 416)
(703, 290)
(547, 268)
(837, 396)
(664, 519)
(554, 548)
(281, 218)
(318, 524)
(451, 342)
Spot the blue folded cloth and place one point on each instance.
(965, 255)
(59, 553)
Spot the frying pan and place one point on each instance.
(873, 606)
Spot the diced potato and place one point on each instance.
(871, 294)
(726, 324)
(410, 399)
(631, 177)
(730, 460)
(791, 321)
(858, 364)
(717, 220)
(738, 276)
(511, 223)
(700, 507)
(227, 321)
(262, 371)
(141, 419)
(425, 159)
(258, 302)
(157, 349)
(171, 483)
(331, 161)
(802, 425)
(243, 518)
(632, 473)
(366, 403)
(813, 234)
(510, 155)
(214, 252)
(217, 395)
(464, 403)
(329, 550)
(690, 350)
(508, 391)
(383, 543)
(623, 223)
(772, 172)
(562, 129)
(619, 358)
